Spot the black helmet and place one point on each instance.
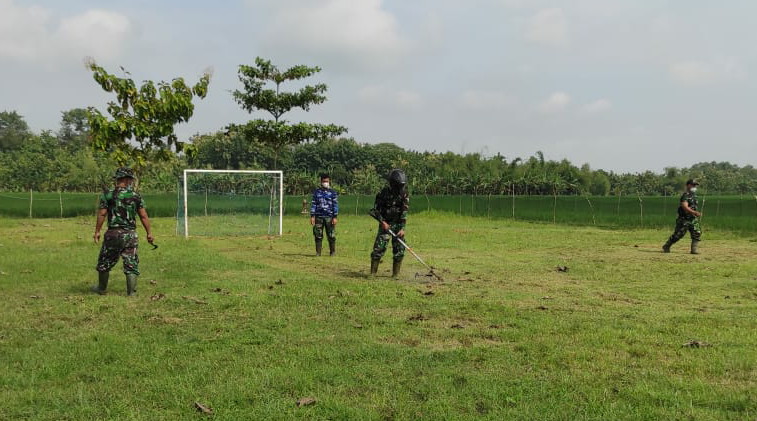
(397, 179)
(123, 172)
(692, 182)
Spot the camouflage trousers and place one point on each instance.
(683, 225)
(324, 224)
(382, 241)
(119, 243)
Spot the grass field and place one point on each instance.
(249, 325)
(733, 213)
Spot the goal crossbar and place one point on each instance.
(278, 173)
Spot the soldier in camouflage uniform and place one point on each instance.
(121, 206)
(324, 211)
(392, 204)
(688, 219)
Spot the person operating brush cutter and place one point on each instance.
(391, 208)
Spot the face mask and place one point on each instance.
(693, 189)
(325, 184)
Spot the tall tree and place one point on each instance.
(256, 95)
(74, 127)
(13, 130)
(145, 115)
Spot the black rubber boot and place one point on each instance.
(131, 284)
(318, 247)
(694, 247)
(666, 247)
(396, 269)
(102, 283)
(332, 247)
(374, 266)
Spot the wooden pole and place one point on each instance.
(512, 190)
(31, 201)
(60, 199)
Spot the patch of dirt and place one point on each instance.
(457, 326)
(696, 344)
(221, 291)
(305, 401)
(418, 317)
(158, 297)
(562, 269)
(194, 300)
(204, 409)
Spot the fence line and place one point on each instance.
(732, 213)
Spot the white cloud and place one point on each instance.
(597, 106)
(556, 102)
(386, 97)
(97, 33)
(548, 27)
(481, 100)
(31, 34)
(23, 30)
(699, 73)
(358, 31)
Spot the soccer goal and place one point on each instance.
(230, 202)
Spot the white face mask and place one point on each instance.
(326, 184)
(693, 189)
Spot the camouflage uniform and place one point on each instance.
(686, 221)
(393, 208)
(324, 207)
(121, 238)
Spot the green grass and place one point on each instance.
(505, 336)
(733, 213)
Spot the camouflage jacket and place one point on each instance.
(325, 203)
(392, 207)
(691, 199)
(122, 205)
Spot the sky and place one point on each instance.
(623, 85)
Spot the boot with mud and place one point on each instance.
(131, 284)
(374, 266)
(332, 247)
(102, 283)
(318, 247)
(666, 247)
(695, 247)
(396, 267)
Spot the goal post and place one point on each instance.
(230, 202)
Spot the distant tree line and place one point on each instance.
(65, 160)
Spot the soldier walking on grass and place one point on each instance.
(324, 210)
(688, 219)
(392, 204)
(121, 206)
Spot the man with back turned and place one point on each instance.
(121, 206)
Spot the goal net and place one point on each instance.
(230, 202)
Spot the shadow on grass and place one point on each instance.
(311, 255)
(356, 274)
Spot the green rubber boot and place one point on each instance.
(396, 267)
(102, 283)
(695, 247)
(318, 247)
(131, 284)
(332, 247)
(374, 266)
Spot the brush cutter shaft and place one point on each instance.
(408, 248)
